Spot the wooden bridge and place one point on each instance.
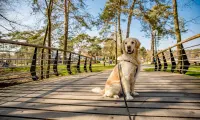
(163, 95)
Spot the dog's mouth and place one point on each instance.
(129, 51)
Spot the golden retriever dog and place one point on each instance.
(130, 67)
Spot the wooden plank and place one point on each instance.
(92, 86)
(9, 98)
(97, 84)
(138, 99)
(13, 95)
(194, 86)
(163, 96)
(79, 116)
(102, 84)
(112, 103)
(16, 118)
(81, 96)
(160, 118)
(136, 88)
(88, 95)
(107, 110)
(44, 114)
(86, 90)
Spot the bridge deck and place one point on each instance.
(163, 96)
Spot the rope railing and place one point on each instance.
(169, 59)
(24, 60)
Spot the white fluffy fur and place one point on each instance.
(97, 90)
(128, 70)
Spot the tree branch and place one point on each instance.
(12, 22)
(6, 28)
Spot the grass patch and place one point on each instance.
(100, 67)
(18, 72)
(192, 71)
(95, 68)
(62, 69)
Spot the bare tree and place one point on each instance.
(177, 31)
(66, 24)
(119, 24)
(130, 18)
(50, 7)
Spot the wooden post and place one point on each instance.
(42, 65)
(155, 63)
(33, 65)
(85, 65)
(69, 64)
(90, 67)
(173, 62)
(159, 63)
(78, 64)
(55, 64)
(184, 61)
(164, 62)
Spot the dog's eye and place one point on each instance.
(132, 42)
(125, 42)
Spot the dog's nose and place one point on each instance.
(128, 47)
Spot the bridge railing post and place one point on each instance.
(55, 64)
(184, 62)
(33, 65)
(90, 67)
(78, 64)
(155, 63)
(42, 64)
(164, 62)
(173, 62)
(85, 65)
(159, 63)
(69, 64)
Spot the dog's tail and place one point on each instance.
(98, 90)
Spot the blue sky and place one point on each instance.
(187, 13)
(95, 6)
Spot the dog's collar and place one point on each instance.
(130, 62)
(133, 64)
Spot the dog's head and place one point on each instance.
(131, 45)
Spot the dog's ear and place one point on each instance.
(137, 43)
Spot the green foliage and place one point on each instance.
(159, 18)
(81, 42)
(143, 52)
(34, 37)
(86, 44)
(109, 48)
(192, 71)
(109, 14)
(94, 49)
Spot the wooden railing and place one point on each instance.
(19, 60)
(168, 58)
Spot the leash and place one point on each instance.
(119, 71)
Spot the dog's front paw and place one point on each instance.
(116, 96)
(135, 94)
(129, 97)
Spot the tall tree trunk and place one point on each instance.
(177, 32)
(42, 54)
(116, 42)
(152, 46)
(119, 26)
(130, 18)
(49, 37)
(66, 23)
